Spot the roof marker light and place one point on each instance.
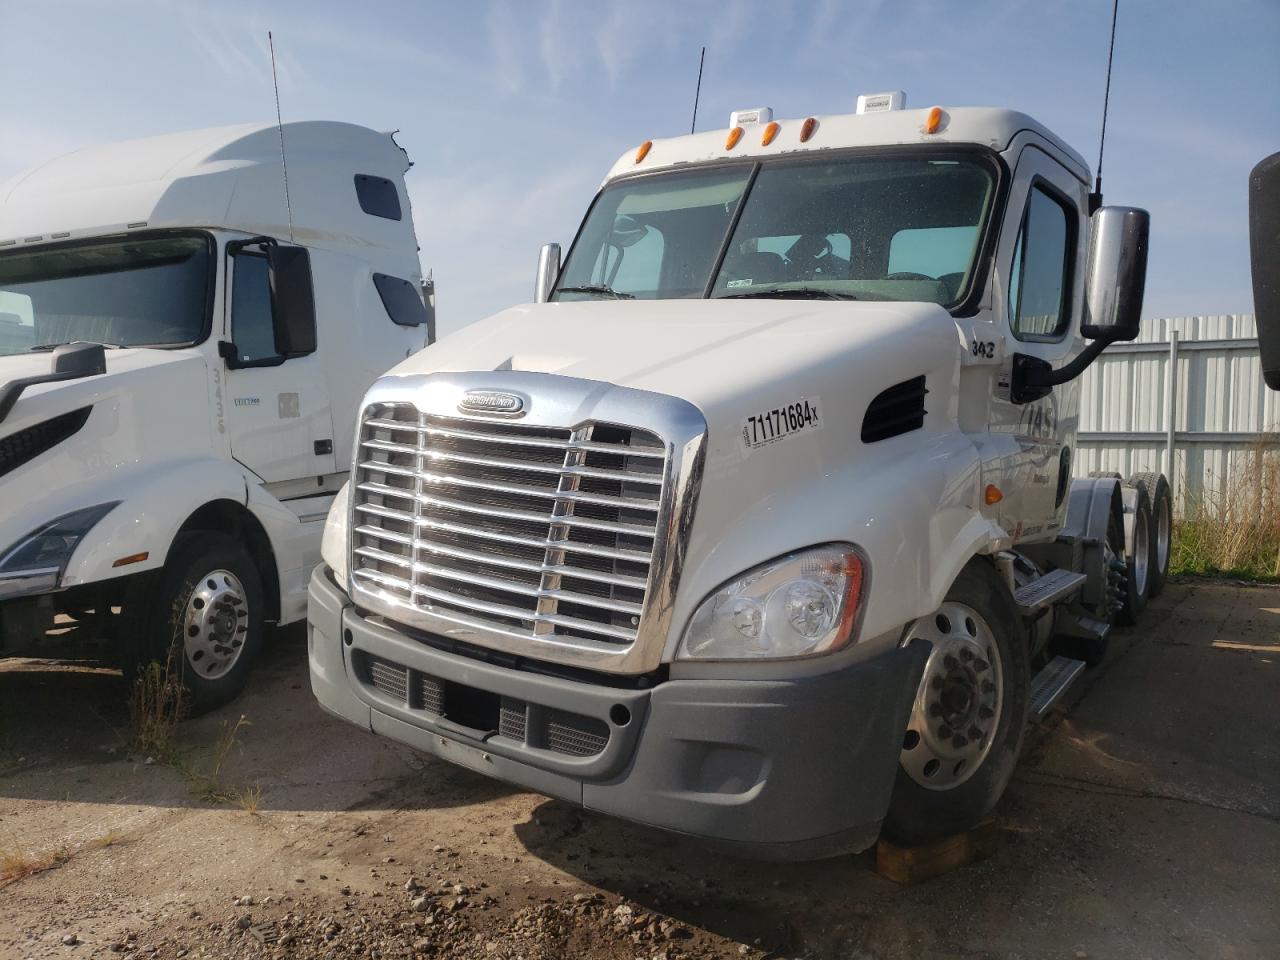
(807, 128)
(734, 136)
(933, 123)
(993, 494)
(770, 132)
(643, 150)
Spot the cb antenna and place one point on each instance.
(698, 90)
(284, 166)
(1095, 198)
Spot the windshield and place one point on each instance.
(143, 291)
(859, 227)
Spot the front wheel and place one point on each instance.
(966, 725)
(205, 616)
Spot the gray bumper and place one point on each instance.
(782, 769)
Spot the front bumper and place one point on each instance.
(27, 583)
(796, 768)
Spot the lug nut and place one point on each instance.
(988, 686)
(936, 683)
(959, 741)
(985, 713)
(974, 733)
(966, 654)
(980, 666)
(950, 662)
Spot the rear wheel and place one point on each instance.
(205, 616)
(1157, 489)
(966, 725)
(1138, 561)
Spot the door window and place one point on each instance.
(251, 328)
(1040, 281)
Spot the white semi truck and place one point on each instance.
(183, 350)
(759, 524)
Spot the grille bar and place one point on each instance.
(532, 531)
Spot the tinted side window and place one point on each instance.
(378, 196)
(251, 327)
(1040, 282)
(401, 300)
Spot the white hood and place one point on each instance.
(729, 358)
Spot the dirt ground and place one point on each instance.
(1143, 822)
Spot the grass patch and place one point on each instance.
(1233, 530)
(15, 865)
(155, 708)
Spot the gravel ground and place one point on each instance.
(1144, 822)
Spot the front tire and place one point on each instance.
(967, 723)
(205, 615)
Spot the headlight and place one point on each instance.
(49, 548)
(799, 605)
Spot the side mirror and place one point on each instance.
(1264, 249)
(548, 272)
(293, 305)
(1117, 273)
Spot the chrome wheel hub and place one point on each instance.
(957, 707)
(215, 624)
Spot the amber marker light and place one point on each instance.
(770, 132)
(993, 494)
(643, 150)
(934, 120)
(807, 128)
(734, 136)
(131, 558)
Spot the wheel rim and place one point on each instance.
(215, 624)
(957, 708)
(1163, 526)
(1141, 553)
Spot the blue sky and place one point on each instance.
(513, 112)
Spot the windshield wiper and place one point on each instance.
(601, 289)
(792, 293)
(45, 347)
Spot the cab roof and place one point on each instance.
(228, 177)
(986, 126)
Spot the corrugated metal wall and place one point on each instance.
(1223, 411)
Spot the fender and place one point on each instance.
(155, 500)
(914, 511)
(294, 542)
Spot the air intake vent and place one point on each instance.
(898, 410)
(25, 445)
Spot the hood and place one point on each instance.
(713, 353)
(44, 400)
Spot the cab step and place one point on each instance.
(1048, 686)
(1045, 591)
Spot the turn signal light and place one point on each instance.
(934, 120)
(770, 132)
(132, 558)
(734, 136)
(993, 494)
(643, 151)
(807, 128)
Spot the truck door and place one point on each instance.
(278, 413)
(1041, 258)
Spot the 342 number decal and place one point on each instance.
(983, 348)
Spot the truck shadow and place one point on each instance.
(764, 904)
(66, 735)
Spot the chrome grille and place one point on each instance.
(535, 531)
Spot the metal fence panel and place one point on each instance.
(1223, 414)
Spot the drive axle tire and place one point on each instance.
(1157, 488)
(204, 613)
(965, 732)
(1139, 562)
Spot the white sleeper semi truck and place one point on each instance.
(759, 524)
(183, 352)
